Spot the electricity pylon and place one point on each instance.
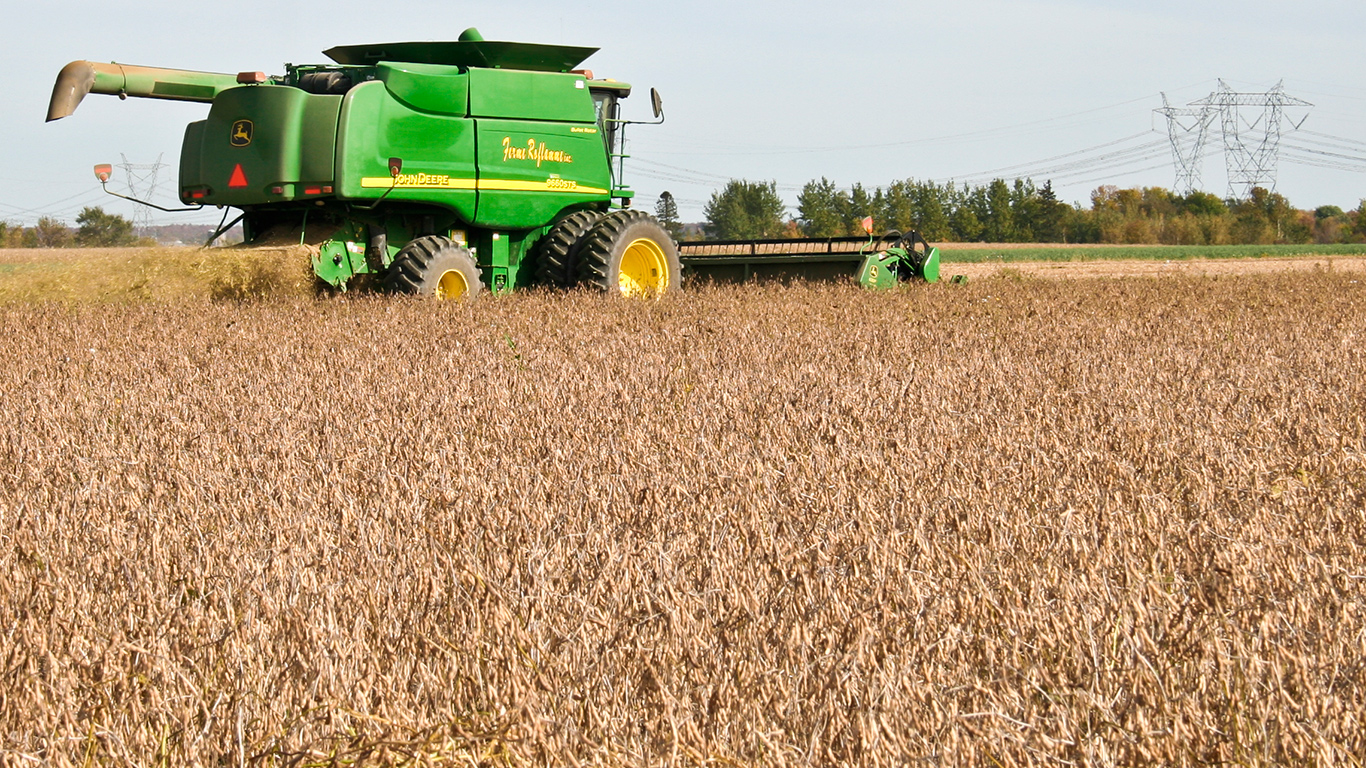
(142, 184)
(1251, 147)
(1187, 153)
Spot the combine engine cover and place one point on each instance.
(260, 145)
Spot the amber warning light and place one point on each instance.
(103, 171)
(251, 78)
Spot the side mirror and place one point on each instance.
(395, 166)
(656, 103)
(103, 171)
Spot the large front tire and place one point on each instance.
(436, 267)
(630, 254)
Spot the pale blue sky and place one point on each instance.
(861, 91)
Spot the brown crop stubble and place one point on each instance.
(1099, 521)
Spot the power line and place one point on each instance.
(1010, 168)
(977, 134)
(46, 210)
(1338, 139)
(1324, 153)
(1081, 166)
(1296, 160)
(1111, 176)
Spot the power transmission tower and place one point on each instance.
(1252, 148)
(142, 184)
(1187, 153)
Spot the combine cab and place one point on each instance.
(448, 169)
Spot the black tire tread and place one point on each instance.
(596, 252)
(557, 252)
(411, 265)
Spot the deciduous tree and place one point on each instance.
(102, 230)
(1203, 204)
(820, 208)
(51, 233)
(745, 210)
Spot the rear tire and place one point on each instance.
(628, 253)
(557, 254)
(435, 267)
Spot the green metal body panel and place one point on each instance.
(929, 271)
(438, 152)
(257, 138)
(530, 171)
(339, 260)
(496, 262)
(428, 88)
(879, 270)
(514, 95)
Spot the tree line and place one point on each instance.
(1022, 212)
(94, 229)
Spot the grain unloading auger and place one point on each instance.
(446, 169)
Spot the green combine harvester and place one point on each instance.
(450, 168)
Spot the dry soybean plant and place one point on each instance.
(1020, 522)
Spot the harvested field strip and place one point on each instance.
(970, 253)
(1100, 521)
(1351, 267)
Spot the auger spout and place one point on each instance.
(81, 77)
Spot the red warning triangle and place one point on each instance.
(239, 179)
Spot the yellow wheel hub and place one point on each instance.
(452, 285)
(644, 269)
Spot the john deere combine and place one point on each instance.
(446, 169)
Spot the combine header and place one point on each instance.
(874, 263)
(450, 168)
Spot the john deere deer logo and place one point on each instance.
(241, 133)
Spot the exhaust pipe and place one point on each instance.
(123, 80)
